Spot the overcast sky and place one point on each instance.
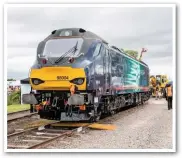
(127, 28)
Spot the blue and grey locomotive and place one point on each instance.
(78, 76)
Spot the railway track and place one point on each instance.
(36, 137)
(22, 111)
(19, 115)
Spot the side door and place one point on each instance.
(107, 71)
(121, 67)
(99, 69)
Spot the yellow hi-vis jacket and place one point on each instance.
(169, 91)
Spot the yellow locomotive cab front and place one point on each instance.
(57, 78)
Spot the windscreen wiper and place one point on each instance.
(71, 51)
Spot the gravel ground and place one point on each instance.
(142, 127)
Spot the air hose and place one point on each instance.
(54, 102)
(68, 110)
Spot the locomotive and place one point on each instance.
(78, 76)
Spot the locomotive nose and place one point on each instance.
(57, 78)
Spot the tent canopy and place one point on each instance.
(25, 81)
(13, 83)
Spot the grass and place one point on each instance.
(18, 107)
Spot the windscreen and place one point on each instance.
(58, 47)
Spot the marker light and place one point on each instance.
(44, 61)
(71, 60)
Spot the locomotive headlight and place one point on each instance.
(77, 81)
(37, 81)
(80, 81)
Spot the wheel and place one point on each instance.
(91, 120)
(97, 118)
(142, 102)
(135, 102)
(112, 112)
(31, 108)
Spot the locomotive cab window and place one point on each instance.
(99, 61)
(64, 46)
(102, 51)
(97, 50)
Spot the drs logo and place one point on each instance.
(62, 77)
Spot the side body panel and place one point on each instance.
(110, 72)
(128, 76)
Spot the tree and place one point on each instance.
(122, 49)
(11, 79)
(132, 53)
(14, 98)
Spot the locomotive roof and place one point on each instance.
(77, 32)
(87, 34)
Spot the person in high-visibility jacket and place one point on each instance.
(157, 92)
(169, 94)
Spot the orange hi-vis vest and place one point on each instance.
(169, 91)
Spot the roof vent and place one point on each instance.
(53, 32)
(82, 30)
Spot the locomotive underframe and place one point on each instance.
(58, 108)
